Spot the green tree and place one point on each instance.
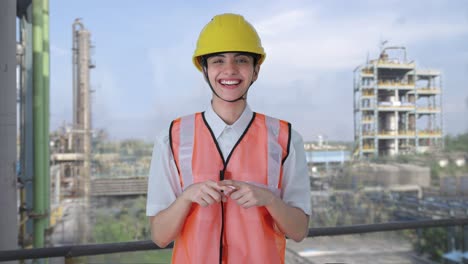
(457, 143)
(128, 222)
(432, 242)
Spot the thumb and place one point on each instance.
(230, 183)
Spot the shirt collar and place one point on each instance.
(217, 125)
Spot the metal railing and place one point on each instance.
(99, 249)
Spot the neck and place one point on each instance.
(228, 112)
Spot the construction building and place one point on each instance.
(397, 107)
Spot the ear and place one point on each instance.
(256, 73)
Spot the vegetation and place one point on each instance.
(454, 146)
(432, 242)
(143, 257)
(127, 222)
(458, 143)
(123, 223)
(130, 147)
(128, 158)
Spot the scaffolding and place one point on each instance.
(397, 107)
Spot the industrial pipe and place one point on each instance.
(46, 98)
(39, 208)
(8, 204)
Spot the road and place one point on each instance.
(356, 249)
(67, 231)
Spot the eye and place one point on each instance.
(242, 60)
(216, 61)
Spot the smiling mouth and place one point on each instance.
(230, 82)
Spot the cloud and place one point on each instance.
(298, 39)
(282, 23)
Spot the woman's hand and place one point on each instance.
(205, 193)
(247, 195)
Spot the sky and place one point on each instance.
(144, 76)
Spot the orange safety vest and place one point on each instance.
(226, 232)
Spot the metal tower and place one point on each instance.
(82, 103)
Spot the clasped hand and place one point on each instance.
(244, 194)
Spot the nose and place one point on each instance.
(231, 67)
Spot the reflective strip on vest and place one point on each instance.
(274, 155)
(187, 127)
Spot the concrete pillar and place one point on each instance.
(8, 201)
(26, 123)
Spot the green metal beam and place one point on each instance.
(39, 209)
(46, 79)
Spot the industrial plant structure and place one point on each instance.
(71, 149)
(397, 106)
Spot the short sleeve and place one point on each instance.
(296, 182)
(163, 181)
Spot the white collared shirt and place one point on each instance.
(164, 186)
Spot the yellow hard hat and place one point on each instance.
(227, 33)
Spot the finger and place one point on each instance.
(212, 193)
(206, 186)
(238, 194)
(228, 191)
(231, 184)
(214, 185)
(208, 199)
(201, 202)
(248, 204)
(235, 194)
(243, 200)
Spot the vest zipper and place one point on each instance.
(221, 177)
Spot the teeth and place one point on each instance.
(229, 82)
